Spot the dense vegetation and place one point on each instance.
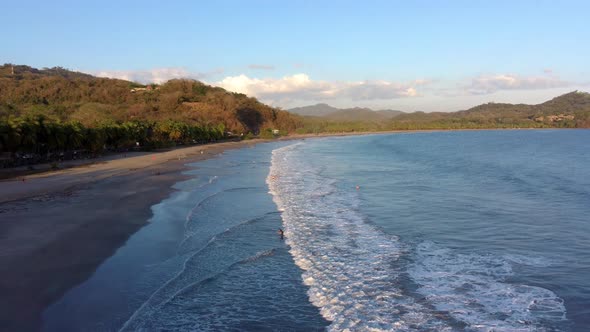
(49, 113)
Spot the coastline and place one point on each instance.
(58, 227)
(46, 169)
(51, 243)
(410, 131)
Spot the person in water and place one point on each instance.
(281, 233)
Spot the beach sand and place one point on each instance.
(57, 228)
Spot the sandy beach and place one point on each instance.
(56, 228)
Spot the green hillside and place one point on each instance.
(64, 95)
(44, 111)
(571, 110)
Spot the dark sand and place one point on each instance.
(57, 228)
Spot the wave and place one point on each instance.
(363, 279)
(195, 183)
(222, 251)
(223, 233)
(252, 259)
(472, 288)
(213, 196)
(350, 267)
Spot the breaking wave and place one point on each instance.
(363, 279)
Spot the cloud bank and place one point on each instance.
(301, 86)
(300, 89)
(493, 83)
(155, 75)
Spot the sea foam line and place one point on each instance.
(352, 269)
(348, 264)
(472, 289)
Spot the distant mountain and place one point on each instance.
(345, 114)
(355, 114)
(571, 110)
(314, 110)
(390, 113)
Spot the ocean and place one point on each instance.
(437, 231)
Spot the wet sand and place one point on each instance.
(57, 228)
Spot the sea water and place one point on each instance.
(209, 260)
(477, 231)
(442, 231)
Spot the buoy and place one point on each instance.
(358, 187)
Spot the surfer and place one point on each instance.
(281, 233)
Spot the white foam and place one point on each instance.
(472, 288)
(347, 263)
(353, 273)
(528, 260)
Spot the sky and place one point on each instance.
(405, 55)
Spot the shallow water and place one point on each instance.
(209, 260)
(450, 231)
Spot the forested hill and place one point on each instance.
(62, 95)
(571, 110)
(328, 112)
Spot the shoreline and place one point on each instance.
(51, 243)
(411, 131)
(59, 227)
(67, 179)
(44, 169)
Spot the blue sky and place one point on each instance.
(411, 55)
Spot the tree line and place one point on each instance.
(36, 139)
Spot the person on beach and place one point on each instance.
(281, 233)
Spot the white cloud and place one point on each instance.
(302, 87)
(492, 83)
(156, 75)
(370, 90)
